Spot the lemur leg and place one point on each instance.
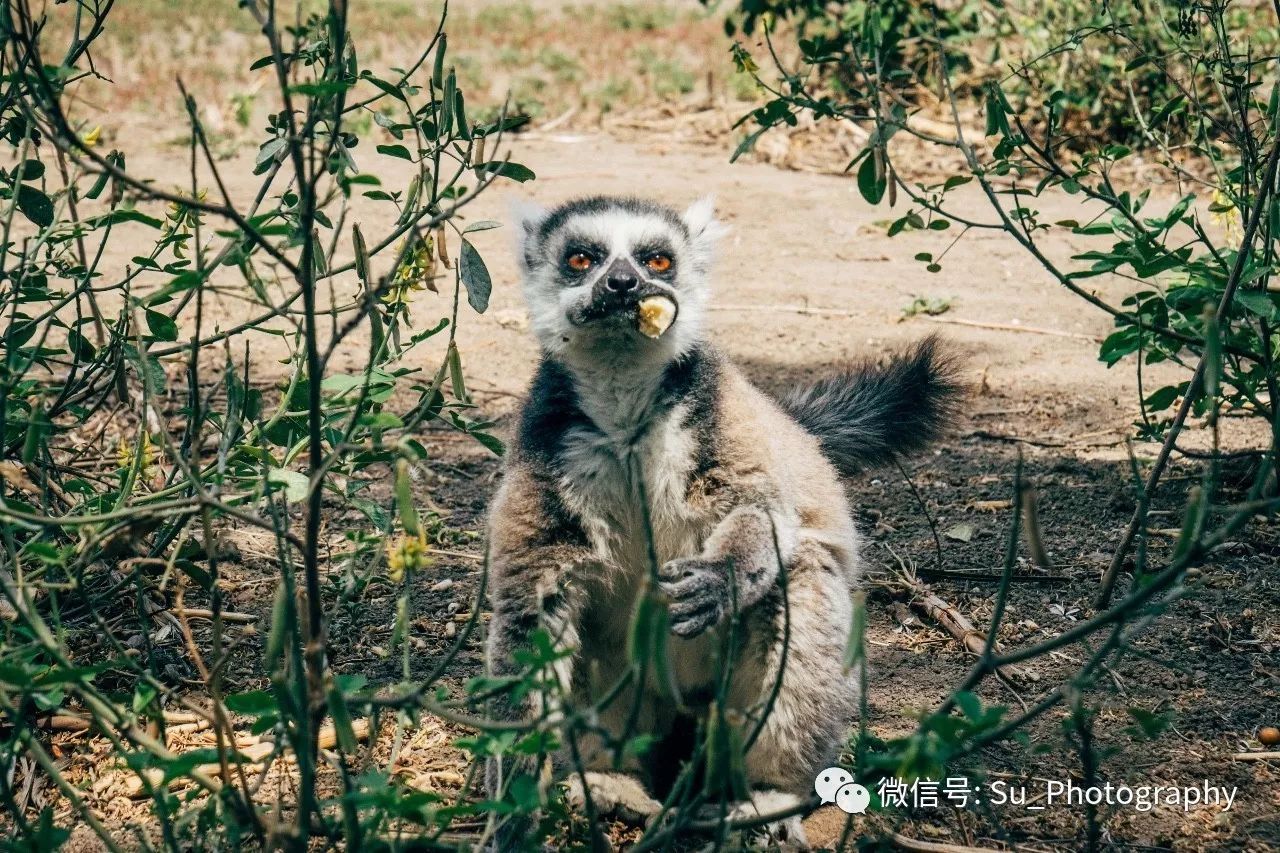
(617, 787)
(815, 701)
(535, 554)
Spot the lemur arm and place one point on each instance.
(534, 546)
(738, 565)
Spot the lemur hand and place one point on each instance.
(699, 592)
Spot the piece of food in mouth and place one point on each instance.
(655, 315)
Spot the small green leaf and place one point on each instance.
(398, 151)
(475, 277)
(270, 150)
(871, 184)
(161, 326)
(35, 205)
(514, 171)
(295, 484)
(255, 703)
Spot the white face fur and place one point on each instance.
(566, 255)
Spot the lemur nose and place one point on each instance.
(621, 282)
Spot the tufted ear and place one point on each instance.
(700, 219)
(704, 230)
(527, 217)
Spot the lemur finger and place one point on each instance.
(693, 601)
(674, 570)
(695, 615)
(695, 623)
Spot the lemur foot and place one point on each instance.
(786, 833)
(617, 794)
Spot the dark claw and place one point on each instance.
(696, 590)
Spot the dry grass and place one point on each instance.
(583, 59)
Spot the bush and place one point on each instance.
(1202, 101)
(136, 432)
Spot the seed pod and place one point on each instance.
(279, 620)
(404, 499)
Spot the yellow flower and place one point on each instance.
(150, 454)
(1224, 213)
(406, 554)
(417, 271)
(91, 138)
(181, 214)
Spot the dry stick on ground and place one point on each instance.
(1256, 756)
(914, 845)
(955, 623)
(1008, 327)
(955, 321)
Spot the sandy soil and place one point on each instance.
(805, 278)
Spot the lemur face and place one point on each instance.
(588, 265)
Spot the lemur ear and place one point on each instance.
(700, 219)
(526, 217)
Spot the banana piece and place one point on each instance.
(655, 316)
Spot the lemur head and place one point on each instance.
(588, 264)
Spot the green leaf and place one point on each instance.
(969, 705)
(295, 484)
(1151, 724)
(1258, 302)
(514, 171)
(483, 225)
(871, 184)
(30, 170)
(475, 277)
(162, 326)
(396, 151)
(35, 205)
(270, 150)
(1176, 212)
(1162, 398)
(491, 443)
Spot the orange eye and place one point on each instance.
(580, 262)
(659, 263)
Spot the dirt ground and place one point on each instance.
(806, 279)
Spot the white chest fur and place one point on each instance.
(606, 479)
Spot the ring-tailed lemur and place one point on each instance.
(740, 489)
